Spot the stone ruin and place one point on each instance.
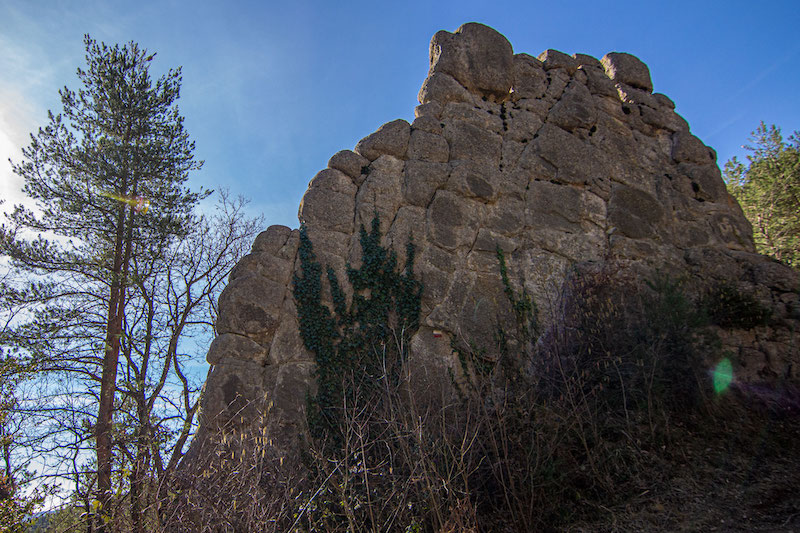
(559, 160)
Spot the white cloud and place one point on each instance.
(16, 123)
(27, 89)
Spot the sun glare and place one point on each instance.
(722, 376)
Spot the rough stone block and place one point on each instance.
(477, 56)
(425, 146)
(390, 139)
(552, 59)
(530, 80)
(271, 240)
(471, 143)
(233, 346)
(440, 88)
(348, 162)
(627, 69)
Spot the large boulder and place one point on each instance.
(559, 161)
(477, 57)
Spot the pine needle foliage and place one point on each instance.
(768, 189)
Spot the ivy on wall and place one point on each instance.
(360, 342)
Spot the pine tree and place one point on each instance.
(108, 176)
(768, 189)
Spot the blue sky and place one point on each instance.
(272, 89)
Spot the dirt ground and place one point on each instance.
(738, 473)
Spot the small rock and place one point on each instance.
(271, 240)
(627, 69)
(584, 60)
(348, 162)
(530, 80)
(552, 59)
(235, 347)
(441, 88)
(688, 148)
(391, 139)
(425, 146)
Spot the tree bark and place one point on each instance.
(108, 382)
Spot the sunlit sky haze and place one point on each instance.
(272, 89)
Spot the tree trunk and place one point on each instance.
(108, 380)
(139, 486)
(136, 495)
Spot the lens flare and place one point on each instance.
(722, 376)
(140, 204)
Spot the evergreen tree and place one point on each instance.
(108, 176)
(768, 189)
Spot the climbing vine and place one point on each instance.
(360, 342)
(475, 359)
(524, 307)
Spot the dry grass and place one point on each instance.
(604, 423)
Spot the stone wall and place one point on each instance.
(559, 160)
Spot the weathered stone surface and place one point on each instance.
(390, 139)
(584, 60)
(627, 69)
(472, 181)
(329, 201)
(557, 80)
(632, 95)
(506, 216)
(706, 182)
(664, 100)
(271, 240)
(267, 265)
(233, 346)
(407, 226)
(421, 179)
(289, 250)
(472, 143)
(287, 346)
(574, 160)
(349, 163)
(634, 213)
(381, 192)
(452, 222)
(553, 206)
(429, 110)
(580, 167)
(574, 110)
(250, 306)
(663, 118)
(523, 127)
(598, 82)
(477, 56)
(554, 59)
(233, 397)
(688, 148)
(530, 80)
(441, 88)
(428, 124)
(472, 114)
(425, 146)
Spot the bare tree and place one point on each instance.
(169, 316)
